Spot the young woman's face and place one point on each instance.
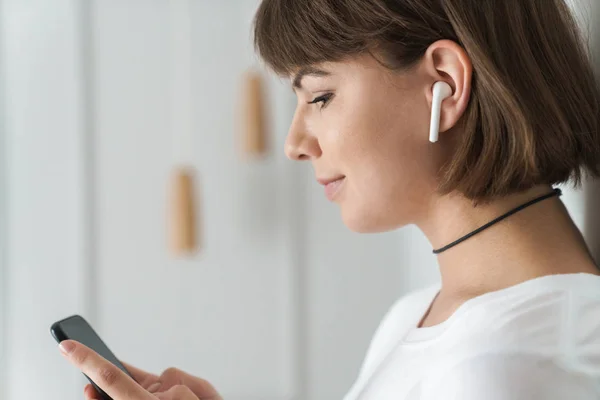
(365, 130)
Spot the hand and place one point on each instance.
(119, 385)
(170, 378)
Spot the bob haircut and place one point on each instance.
(532, 116)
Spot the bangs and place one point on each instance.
(290, 34)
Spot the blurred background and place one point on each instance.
(265, 293)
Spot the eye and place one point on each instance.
(322, 99)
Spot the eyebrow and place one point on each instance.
(313, 71)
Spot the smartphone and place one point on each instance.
(77, 328)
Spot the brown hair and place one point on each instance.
(533, 113)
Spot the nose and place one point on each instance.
(300, 144)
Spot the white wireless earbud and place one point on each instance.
(441, 90)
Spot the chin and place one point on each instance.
(368, 221)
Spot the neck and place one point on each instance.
(538, 240)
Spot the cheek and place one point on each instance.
(380, 142)
(362, 127)
(390, 145)
(388, 163)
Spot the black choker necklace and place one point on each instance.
(555, 192)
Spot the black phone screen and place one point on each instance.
(78, 329)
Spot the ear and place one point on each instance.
(447, 61)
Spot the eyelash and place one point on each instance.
(324, 99)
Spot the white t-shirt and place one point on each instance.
(539, 339)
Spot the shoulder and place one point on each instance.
(554, 315)
(510, 376)
(526, 344)
(561, 316)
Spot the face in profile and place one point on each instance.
(364, 129)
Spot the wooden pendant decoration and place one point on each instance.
(254, 121)
(184, 207)
(183, 213)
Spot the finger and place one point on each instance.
(90, 393)
(145, 379)
(173, 377)
(178, 392)
(116, 383)
(139, 374)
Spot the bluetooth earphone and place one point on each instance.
(441, 90)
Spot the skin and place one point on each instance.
(372, 130)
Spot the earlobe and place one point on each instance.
(441, 91)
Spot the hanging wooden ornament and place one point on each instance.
(184, 201)
(254, 127)
(183, 212)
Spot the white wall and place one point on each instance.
(46, 229)
(3, 238)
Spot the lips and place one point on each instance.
(332, 186)
(327, 181)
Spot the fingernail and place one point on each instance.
(154, 387)
(66, 347)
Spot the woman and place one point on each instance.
(517, 313)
